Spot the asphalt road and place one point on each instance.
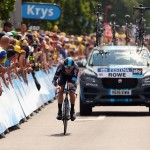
(108, 128)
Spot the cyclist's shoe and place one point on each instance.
(72, 116)
(59, 116)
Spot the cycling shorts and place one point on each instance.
(63, 79)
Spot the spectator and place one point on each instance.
(21, 62)
(3, 56)
(5, 42)
(62, 53)
(1, 35)
(7, 27)
(23, 30)
(10, 60)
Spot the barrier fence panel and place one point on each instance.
(22, 99)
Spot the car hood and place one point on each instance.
(139, 71)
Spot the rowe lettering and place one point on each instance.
(31, 10)
(117, 74)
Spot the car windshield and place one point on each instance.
(119, 57)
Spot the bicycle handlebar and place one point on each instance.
(141, 8)
(65, 90)
(127, 16)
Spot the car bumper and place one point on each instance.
(95, 94)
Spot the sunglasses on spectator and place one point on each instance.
(69, 68)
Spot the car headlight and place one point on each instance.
(88, 78)
(146, 79)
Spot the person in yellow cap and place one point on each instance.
(17, 49)
(21, 62)
(80, 50)
(72, 51)
(12, 56)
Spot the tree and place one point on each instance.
(123, 7)
(6, 6)
(77, 16)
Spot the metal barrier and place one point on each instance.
(21, 100)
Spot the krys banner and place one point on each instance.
(42, 11)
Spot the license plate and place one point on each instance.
(120, 92)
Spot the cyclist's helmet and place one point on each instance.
(69, 62)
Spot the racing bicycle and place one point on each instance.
(140, 27)
(66, 107)
(113, 26)
(128, 27)
(99, 30)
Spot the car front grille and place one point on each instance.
(119, 83)
(147, 92)
(90, 92)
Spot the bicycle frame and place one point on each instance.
(140, 28)
(128, 28)
(113, 26)
(66, 107)
(98, 25)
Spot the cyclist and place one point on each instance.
(66, 71)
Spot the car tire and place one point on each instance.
(149, 110)
(85, 110)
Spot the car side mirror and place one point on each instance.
(81, 63)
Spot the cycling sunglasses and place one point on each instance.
(67, 67)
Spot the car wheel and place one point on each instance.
(149, 109)
(85, 110)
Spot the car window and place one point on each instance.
(119, 57)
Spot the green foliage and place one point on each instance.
(77, 15)
(6, 6)
(123, 7)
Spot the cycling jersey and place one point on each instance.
(62, 76)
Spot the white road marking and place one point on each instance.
(90, 118)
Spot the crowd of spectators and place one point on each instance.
(28, 51)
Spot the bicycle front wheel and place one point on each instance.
(65, 116)
(65, 122)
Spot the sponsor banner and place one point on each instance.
(137, 73)
(40, 11)
(120, 73)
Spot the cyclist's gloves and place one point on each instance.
(54, 83)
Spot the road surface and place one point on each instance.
(108, 128)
